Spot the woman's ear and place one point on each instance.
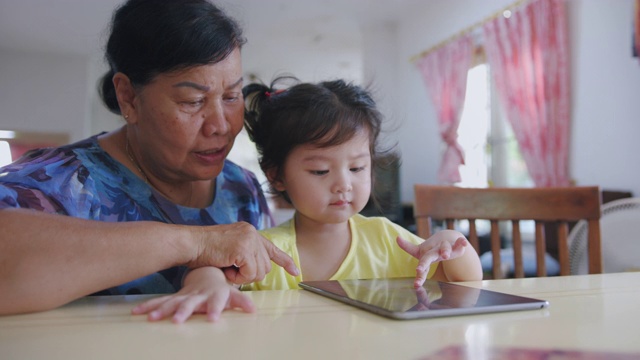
(125, 93)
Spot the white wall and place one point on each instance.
(380, 75)
(606, 92)
(100, 119)
(43, 92)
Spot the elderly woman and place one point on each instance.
(130, 211)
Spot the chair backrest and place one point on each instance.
(559, 205)
(619, 224)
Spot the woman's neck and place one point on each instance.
(195, 194)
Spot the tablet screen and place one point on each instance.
(397, 298)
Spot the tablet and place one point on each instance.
(398, 299)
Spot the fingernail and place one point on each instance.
(154, 315)
(179, 317)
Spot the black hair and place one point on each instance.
(324, 114)
(150, 37)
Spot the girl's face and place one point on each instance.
(328, 185)
(186, 121)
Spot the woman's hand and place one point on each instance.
(240, 250)
(205, 291)
(444, 245)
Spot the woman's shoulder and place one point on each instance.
(233, 172)
(238, 181)
(60, 179)
(38, 164)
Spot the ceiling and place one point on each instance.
(78, 26)
(311, 39)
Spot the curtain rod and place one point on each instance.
(467, 29)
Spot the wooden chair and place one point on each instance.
(544, 205)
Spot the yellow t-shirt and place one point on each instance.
(373, 254)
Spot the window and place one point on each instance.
(492, 156)
(474, 129)
(5, 153)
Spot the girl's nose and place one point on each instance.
(343, 184)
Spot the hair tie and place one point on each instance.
(268, 93)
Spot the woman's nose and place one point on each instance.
(215, 121)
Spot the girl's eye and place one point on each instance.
(319, 172)
(357, 169)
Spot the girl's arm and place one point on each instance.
(205, 291)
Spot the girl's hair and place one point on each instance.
(324, 114)
(150, 37)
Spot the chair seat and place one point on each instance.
(528, 262)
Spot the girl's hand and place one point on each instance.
(443, 245)
(205, 291)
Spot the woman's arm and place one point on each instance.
(48, 260)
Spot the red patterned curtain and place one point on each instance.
(529, 61)
(444, 71)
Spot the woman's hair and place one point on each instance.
(325, 114)
(151, 37)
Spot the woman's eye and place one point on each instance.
(233, 98)
(194, 102)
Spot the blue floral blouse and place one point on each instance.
(83, 181)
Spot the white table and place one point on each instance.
(588, 313)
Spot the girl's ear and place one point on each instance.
(126, 95)
(274, 180)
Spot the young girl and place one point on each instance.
(318, 144)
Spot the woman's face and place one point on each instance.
(186, 121)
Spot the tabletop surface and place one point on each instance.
(588, 313)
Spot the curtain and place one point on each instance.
(529, 61)
(444, 71)
(636, 33)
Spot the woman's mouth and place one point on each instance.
(211, 156)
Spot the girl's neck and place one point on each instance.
(321, 247)
(308, 230)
